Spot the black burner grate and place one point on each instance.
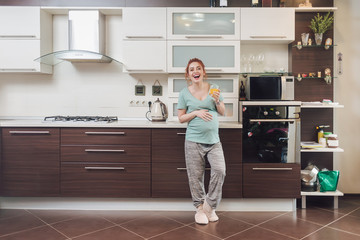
(81, 118)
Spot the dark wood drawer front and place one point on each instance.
(231, 136)
(168, 145)
(232, 187)
(104, 136)
(30, 162)
(271, 180)
(106, 153)
(30, 136)
(170, 180)
(105, 180)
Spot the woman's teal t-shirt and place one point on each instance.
(198, 130)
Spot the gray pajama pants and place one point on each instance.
(195, 154)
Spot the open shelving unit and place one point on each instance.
(336, 194)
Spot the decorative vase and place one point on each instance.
(318, 38)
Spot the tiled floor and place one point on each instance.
(318, 221)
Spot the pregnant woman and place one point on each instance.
(199, 107)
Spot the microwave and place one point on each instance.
(271, 88)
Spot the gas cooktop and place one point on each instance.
(81, 118)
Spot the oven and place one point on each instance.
(271, 131)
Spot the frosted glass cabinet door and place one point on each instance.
(268, 24)
(218, 56)
(200, 24)
(228, 84)
(20, 22)
(231, 110)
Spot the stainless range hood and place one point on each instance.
(86, 39)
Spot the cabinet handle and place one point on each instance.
(272, 120)
(17, 36)
(29, 132)
(203, 36)
(105, 133)
(184, 169)
(105, 150)
(18, 69)
(104, 168)
(181, 133)
(144, 36)
(268, 36)
(214, 69)
(272, 169)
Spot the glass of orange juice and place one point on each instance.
(213, 88)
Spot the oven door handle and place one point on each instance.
(272, 120)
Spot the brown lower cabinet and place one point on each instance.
(105, 180)
(271, 180)
(105, 162)
(30, 164)
(169, 176)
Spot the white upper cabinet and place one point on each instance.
(144, 23)
(203, 23)
(25, 34)
(144, 56)
(20, 22)
(267, 25)
(218, 56)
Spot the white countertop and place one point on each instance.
(121, 123)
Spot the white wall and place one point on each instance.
(347, 89)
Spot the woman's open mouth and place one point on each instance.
(196, 76)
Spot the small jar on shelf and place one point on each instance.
(332, 141)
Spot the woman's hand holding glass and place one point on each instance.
(215, 93)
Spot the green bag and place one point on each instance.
(328, 180)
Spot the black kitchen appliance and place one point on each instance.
(270, 88)
(271, 131)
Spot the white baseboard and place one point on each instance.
(151, 204)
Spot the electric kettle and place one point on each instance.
(158, 111)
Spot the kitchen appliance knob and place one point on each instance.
(265, 113)
(277, 113)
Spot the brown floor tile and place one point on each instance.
(290, 225)
(187, 233)
(8, 213)
(348, 223)
(53, 216)
(119, 217)
(150, 226)
(185, 217)
(223, 228)
(19, 223)
(113, 233)
(83, 225)
(332, 234)
(45, 233)
(257, 233)
(355, 213)
(317, 215)
(253, 217)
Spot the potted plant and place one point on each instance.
(320, 24)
